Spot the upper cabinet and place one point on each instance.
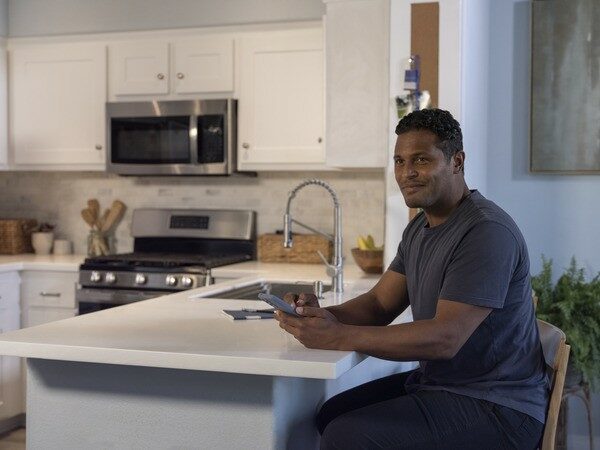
(281, 121)
(58, 89)
(57, 104)
(198, 65)
(357, 45)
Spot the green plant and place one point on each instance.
(573, 305)
(44, 227)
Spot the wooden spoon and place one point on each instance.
(117, 210)
(100, 222)
(94, 207)
(88, 216)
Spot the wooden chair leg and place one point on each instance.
(560, 442)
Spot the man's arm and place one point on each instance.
(435, 339)
(379, 306)
(438, 338)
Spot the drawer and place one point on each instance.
(48, 288)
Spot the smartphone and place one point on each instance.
(278, 303)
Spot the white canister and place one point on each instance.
(62, 247)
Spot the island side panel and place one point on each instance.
(73, 405)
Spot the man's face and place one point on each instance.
(422, 172)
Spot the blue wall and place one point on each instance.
(559, 215)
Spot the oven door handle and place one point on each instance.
(115, 296)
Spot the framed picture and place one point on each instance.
(565, 87)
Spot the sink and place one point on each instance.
(251, 292)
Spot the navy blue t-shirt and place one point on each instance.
(478, 256)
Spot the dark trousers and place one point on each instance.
(380, 414)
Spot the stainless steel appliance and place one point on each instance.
(188, 137)
(173, 250)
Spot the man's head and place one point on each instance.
(429, 158)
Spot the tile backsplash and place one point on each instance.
(59, 198)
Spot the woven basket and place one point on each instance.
(304, 249)
(15, 236)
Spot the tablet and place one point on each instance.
(278, 303)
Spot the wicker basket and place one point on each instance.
(15, 236)
(304, 250)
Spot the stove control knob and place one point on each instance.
(187, 282)
(95, 277)
(171, 280)
(140, 278)
(110, 278)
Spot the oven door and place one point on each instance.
(149, 145)
(96, 299)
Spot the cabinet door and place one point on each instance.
(38, 316)
(57, 103)
(203, 64)
(138, 68)
(10, 366)
(281, 118)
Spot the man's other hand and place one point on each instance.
(317, 328)
(303, 299)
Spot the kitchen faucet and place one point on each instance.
(336, 269)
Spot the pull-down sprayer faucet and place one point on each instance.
(336, 269)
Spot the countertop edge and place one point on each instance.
(184, 361)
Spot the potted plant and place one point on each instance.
(573, 305)
(42, 238)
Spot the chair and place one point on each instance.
(556, 354)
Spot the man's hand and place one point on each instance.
(301, 299)
(317, 328)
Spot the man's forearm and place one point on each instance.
(361, 310)
(419, 340)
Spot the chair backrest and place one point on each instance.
(556, 355)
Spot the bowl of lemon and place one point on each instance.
(367, 255)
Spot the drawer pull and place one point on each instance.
(50, 294)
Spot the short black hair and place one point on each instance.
(439, 122)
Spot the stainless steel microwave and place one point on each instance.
(179, 137)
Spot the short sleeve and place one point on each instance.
(482, 266)
(397, 265)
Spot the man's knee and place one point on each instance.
(343, 433)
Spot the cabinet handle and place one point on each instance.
(50, 294)
(98, 147)
(246, 145)
(180, 75)
(320, 140)
(160, 76)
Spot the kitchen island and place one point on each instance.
(174, 372)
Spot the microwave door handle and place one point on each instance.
(194, 139)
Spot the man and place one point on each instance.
(463, 268)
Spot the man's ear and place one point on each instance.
(458, 162)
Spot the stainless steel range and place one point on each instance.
(174, 250)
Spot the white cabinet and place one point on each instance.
(3, 106)
(57, 103)
(358, 103)
(196, 65)
(11, 399)
(47, 296)
(281, 107)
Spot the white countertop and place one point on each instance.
(29, 261)
(177, 331)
